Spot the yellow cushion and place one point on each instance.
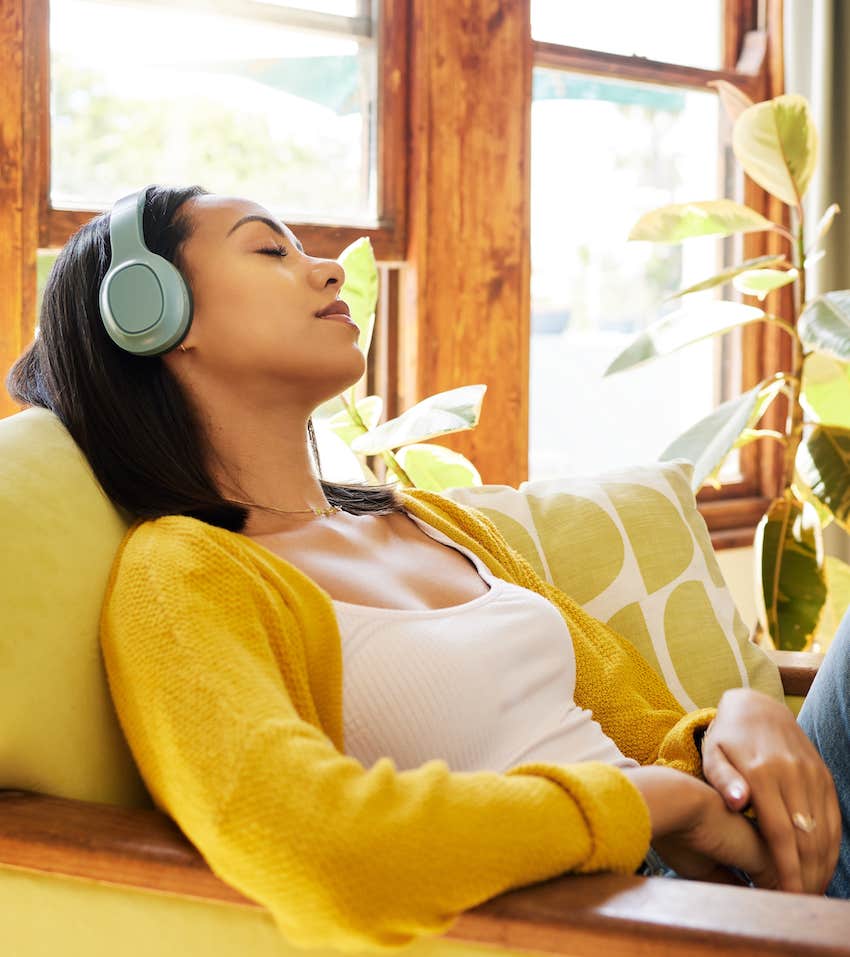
(58, 730)
(631, 547)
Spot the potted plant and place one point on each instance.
(348, 429)
(798, 590)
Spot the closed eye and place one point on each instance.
(276, 251)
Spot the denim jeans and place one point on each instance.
(825, 718)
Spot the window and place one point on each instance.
(254, 99)
(290, 104)
(614, 135)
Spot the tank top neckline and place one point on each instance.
(491, 580)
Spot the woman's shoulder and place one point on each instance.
(175, 541)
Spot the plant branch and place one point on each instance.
(394, 464)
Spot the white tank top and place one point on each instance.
(485, 685)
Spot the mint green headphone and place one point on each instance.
(145, 304)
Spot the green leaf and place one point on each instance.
(338, 462)
(682, 328)
(440, 414)
(437, 468)
(369, 409)
(788, 549)
(680, 221)
(729, 274)
(826, 389)
(825, 223)
(823, 460)
(837, 601)
(804, 493)
(360, 289)
(329, 408)
(760, 282)
(709, 441)
(776, 143)
(825, 324)
(734, 101)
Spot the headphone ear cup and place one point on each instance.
(145, 304)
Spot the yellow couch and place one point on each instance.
(89, 867)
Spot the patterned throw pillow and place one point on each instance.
(632, 549)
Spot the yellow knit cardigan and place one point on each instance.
(225, 667)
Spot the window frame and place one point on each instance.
(56, 225)
(753, 63)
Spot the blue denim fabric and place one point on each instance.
(825, 717)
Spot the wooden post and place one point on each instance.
(21, 175)
(466, 287)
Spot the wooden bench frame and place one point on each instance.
(603, 914)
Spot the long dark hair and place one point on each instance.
(128, 414)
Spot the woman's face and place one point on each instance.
(255, 297)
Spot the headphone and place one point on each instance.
(145, 304)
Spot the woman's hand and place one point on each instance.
(696, 834)
(755, 753)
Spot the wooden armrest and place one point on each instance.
(568, 915)
(797, 668)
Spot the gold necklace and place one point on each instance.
(321, 512)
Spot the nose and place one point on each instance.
(327, 272)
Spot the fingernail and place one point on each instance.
(736, 792)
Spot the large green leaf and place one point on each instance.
(837, 601)
(437, 468)
(680, 221)
(788, 550)
(440, 414)
(776, 142)
(826, 389)
(728, 275)
(360, 289)
(682, 328)
(369, 409)
(804, 493)
(825, 324)
(709, 441)
(760, 282)
(823, 460)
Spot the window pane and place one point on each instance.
(243, 107)
(342, 8)
(667, 30)
(603, 153)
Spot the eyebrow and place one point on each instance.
(269, 222)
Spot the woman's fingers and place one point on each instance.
(799, 797)
(779, 833)
(724, 777)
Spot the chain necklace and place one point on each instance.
(320, 512)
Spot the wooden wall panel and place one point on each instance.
(467, 294)
(20, 155)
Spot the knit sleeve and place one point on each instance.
(207, 670)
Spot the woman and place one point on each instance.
(493, 734)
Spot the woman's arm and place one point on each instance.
(211, 672)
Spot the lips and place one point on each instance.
(337, 308)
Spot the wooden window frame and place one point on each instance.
(322, 239)
(750, 63)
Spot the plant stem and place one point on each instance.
(391, 461)
(795, 411)
(394, 464)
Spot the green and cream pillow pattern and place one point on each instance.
(632, 549)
